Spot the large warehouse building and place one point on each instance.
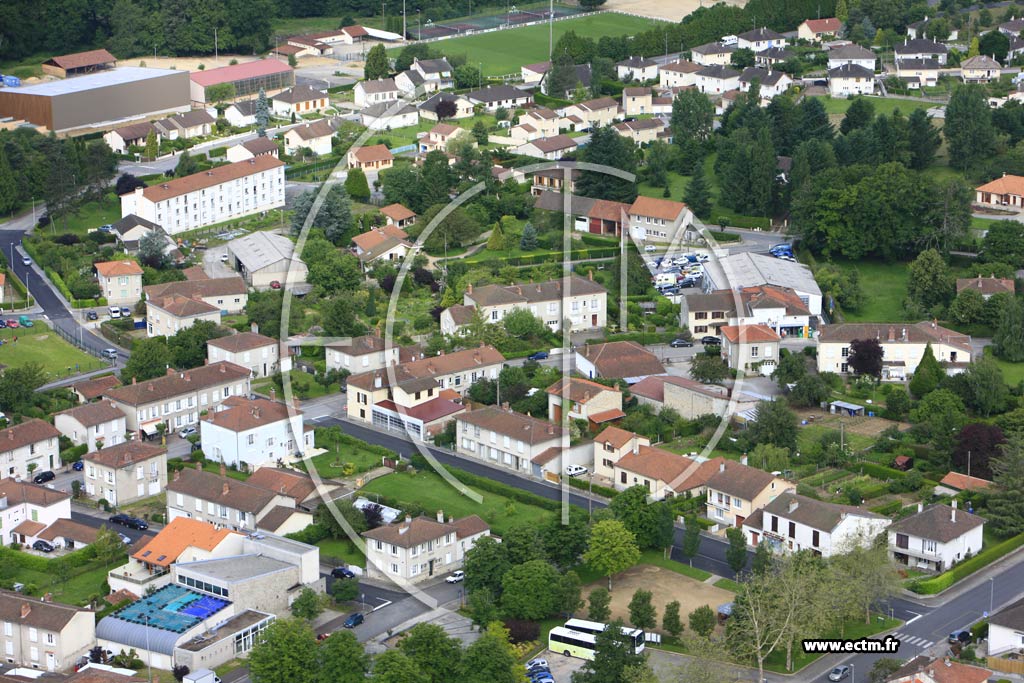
(98, 100)
(245, 80)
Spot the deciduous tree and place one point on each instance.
(435, 652)
(377, 65)
(670, 620)
(342, 659)
(736, 553)
(865, 357)
(967, 127)
(776, 424)
(1008, 341)
(284, 652)
(612, 548)
(702, 621)
(599, 604)
(641, 610)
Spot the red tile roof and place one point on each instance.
(372, 153)
(962, 482)
(665, 209)
(829, 25)
(117, 268)
(616, 437)
(79, 60)
(94, 388)
(211, 178)
(1008, 184)
(749, 334)
(174, 538)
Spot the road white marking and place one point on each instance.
(381, 606)
(911, 621)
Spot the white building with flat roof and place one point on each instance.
(738, 271)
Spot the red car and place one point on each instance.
(274, 284)
(13, 324)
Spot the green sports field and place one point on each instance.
(503, 52)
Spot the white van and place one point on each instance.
(665, 279)
(115, 312)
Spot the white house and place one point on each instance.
(552, 149)
(920, 48)
(438, 71)
(917, 73)
(132, 135)
(760, 39)
(417, 550)
(249, 149)
(792, 522)
(251, 350)
(251, 433)
(298, 100)
(208, 197)
(678, 74)
(850, 79)
(495, 97)
(852, 54)
(30, 509)
(366, 353)
(817, 30)
(617, 360)
(936, 537)
(770, 82)
(316, 136)
(29, 446)
(1006, 629)
(167, 315)
(717, 79)
(242, 114)
(379, 91)
(389, 115)
(580, 301)
(903, 346)
(636, 69)
(652, 219)
(97, 425)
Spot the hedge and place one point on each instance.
(58, 282)
(720, 236)
(115, 335)
(749, 222)
(877, 471)
(77, 558)
(939, 583)
(890, 508)
(643, 338)
(74, 454)
(597, 488)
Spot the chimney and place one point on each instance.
(273, 394)
(25, 610)
(892, 333)
(377, 382)
(133, 380)
(440, 516)
(793, 505)
(743, 460)
(199, 465)
(634, 444)
(224, 489)
(551, 429)
(920, 507)
(469, 289)
(254, 328)
(504, 406)
(721, 466)
(177, 475)
(223, 369)
(408, 519)
(223, 469)
(151, 388)
(952, 513)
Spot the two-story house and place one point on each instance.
(747, 347)
(576, 398)
(419, 397)
(417, 549)
(176, 399)
(779, 308)
(664, 474)
(980, 69)
(120, 282)
(381, 90)
(371, 158)
(657, 220)
(227, 294)
(792, 522)
(42, 634)
(552, 149)
(592, 113)
(636, 69)
(850, 79)
(250, 433)
(712, 54)
(611, 445)
(935, 538)
(437, 71)
(316, 136)
(97, 425)
(259, 353)
(495, 97)
(679, 74)
(987, 286)
(27, 447)
(580, 302)
(300, 99)
(920, 48)
(127, 472)
(386, 243)
(717, 79)
(852, 54)
(903, 346)
(760, 39)
(221, 500)
(504, 437)
(27, 509)
(368, 352)
(168, 315)
(817, 30)
(737, 490)
(770, 82)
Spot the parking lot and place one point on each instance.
(562, 667)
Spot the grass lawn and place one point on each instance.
(652, 557)
(341, 549)
(432, 493)
(303, 385)
(211, 466)
(503, 52)
(399, 137)
(728, 584)
(90, 216)
(39, 344)
(83, 583)
(883, 105)
(331, 465)
(813, 434)
(776, 662)
(1013, 373)
(885, 288)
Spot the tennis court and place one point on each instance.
(172, 608)
(491, 21)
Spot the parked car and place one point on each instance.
(224, 258)
(13, 324)
(3, 324)
(354, 620)
(43, 477)
(106, 228)
(274, 284)
(575, 470)
(129, 521)
(26, 261)
(109, 353)
(710, 340)
(537, 662)
(25, 321)
(43, 546)
(343, 573)
(457, 576)
(650, 247)
(680, 344)
(114, 311)
(124, 538)
(187, 432)
(126, 312)
(78, 466)
(321, 637)
(839, 673)
(538, 355)
(962, 637)
(91, 315)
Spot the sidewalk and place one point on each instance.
(68, 381)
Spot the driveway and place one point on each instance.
(213, 265)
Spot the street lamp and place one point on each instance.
(991, 593)
(363, 602)
(853, 673)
